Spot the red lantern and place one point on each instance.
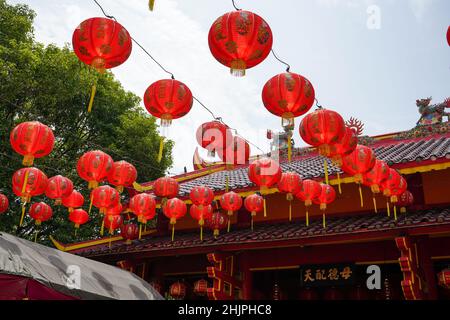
(217, 222)
(29, 182)
(174, 209)
(374, 177)
(94, 166)
(74, 200)
(290, 183)
(105, 197)
(327, 196)
(201, 287)
(236, 153)
(288, 95)
(129, 232)
(322, 128)
(78, 217)
(143, 206)
(201, 196)
(394, 186)
(122, 174)
(309, 191)
(254, 204)
(213, 136)
(59, 187)
(201, 213)
(343, 147)
(112, 223)
(114, 210)
(448, 35)
(4, 203)
(101, 43)
(240, 40)
(32, 140)
(178, 290)
(265, 173)
(40, 212)
(166, 188)
(230, 202)
(405, 200)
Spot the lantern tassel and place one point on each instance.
(388, 209)
(290, 211)
(35, 235)
(23, 214)
(395, 212)
(361, 195)
(140, 231)
(307, 217)
(151, 4)
(325, 169)
(229, 224)
(289, 148)
(90, 205)
(324, 222)
(339, 182)
(201, 233)
(173, 231)
(25, 182)
(161, 147)
(76, 232)
(375, 204)
(265, 208)
(102, 228)
(91, 99)
(252, 223)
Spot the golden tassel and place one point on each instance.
(265, 207)
(361, 196)
(339, 182)
(252, 223)
(395, 212)
(290, 211)
(161, 147)
(201, 233)
(307, 217)
(23, 215)
(375, 204)
(325, 169)
(76, 232)
(93, 92)
(102, 228)
(140, 231)
(289, 148)
(173, 231)
(324, 222)
(388, 208)
(90, 205)
(35, 235)
(229, 224)
(151, 4)
(25, 182)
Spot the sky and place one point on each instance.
(366, 59)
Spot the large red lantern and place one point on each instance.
(201, 196)
(327, 196)
(405, 200)
(105, 197)
(217, 222)
(94, 166)
(322, 128)
(112, 223)
(309, 191)
(177, 290)
(40, 212)
(357, 164)
(129, 232)
(78, 217)
(4, 203)
(240, 40)
(174, 209)
(288, 95)
(74, 200)
(32, 140)
(166, 188)
(254, 204)
(236, 153)
(290, 183)
(374, 177)
(59, 187)
(201, 287)
(122, 174)
(201, 213)
(214, 136)
(343, 147)
(230, 202)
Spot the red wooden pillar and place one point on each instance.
(426, 266)
(247, 277)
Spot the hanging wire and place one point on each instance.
(288, 67)
(234, 5)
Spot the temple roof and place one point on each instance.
(366, 224)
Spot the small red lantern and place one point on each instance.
(166, 188)
(201, 213)
(343, 147)
(236, 153)
(178, 290)
(240, 40)
(78, 217)
(265, 173)
(174, 209)
(374, 177)
(112, 223)
(327, 196)
(214, 136)
(129, 232)
(322, 128)
(74, 200)
(201, 287)
(393, 187)
(40, 212)
(59, 187)
(114, 210)
(143, 205)
(201, 196)
(309, 191)
(94, 166)
(32, 140)
(105, 197)
(4, 203)
(288, 95)
(122, 174)
(359, 162)
(230, 202)
(405, 200)
(217, 222)
(254, 204)
(290, 183)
